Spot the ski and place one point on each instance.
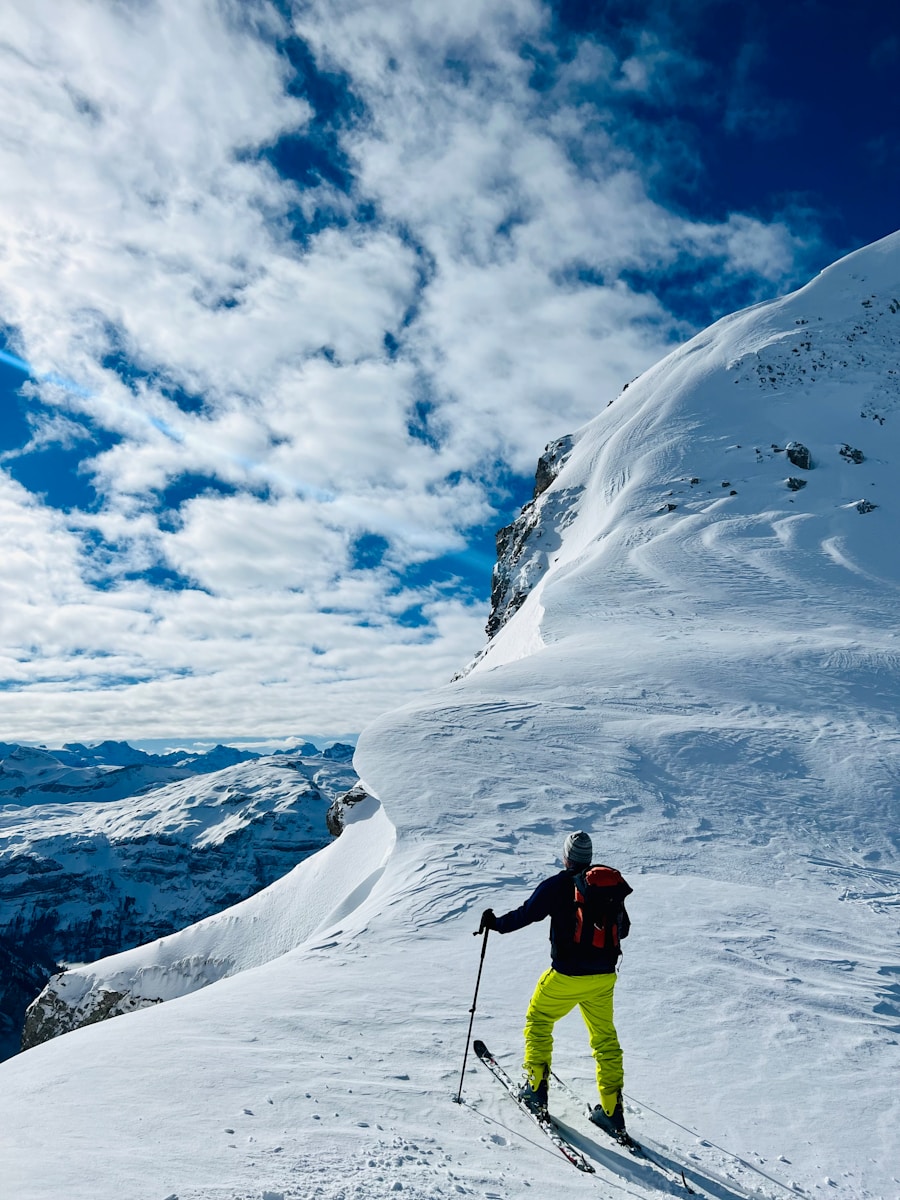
(625, 1140)
(544, 1121)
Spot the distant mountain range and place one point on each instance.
(36, 775)
(105, 847)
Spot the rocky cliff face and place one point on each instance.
(86, 878)
(336, 817)
(23, 972)
(525, 548)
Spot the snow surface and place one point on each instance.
(712, 692)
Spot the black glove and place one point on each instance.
(488, 920)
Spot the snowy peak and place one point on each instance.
(757, 463)
(113, 770)
(108, 753)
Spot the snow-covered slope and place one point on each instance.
(711, 690)
(683, 491)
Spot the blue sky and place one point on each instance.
(293, 296)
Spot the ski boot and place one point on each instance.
(611, 1123)
(535, 1096)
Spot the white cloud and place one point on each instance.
(49, 430)
(656, 70)
(136, 661)
(486, 297)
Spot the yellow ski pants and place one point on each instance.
(555, 996)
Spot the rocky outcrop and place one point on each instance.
(524, 547)
(49, 1015)
(78, 997)
(550, 463)
(799, 455)
(336, 816)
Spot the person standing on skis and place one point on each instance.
(588, 920)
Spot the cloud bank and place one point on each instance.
(303, 293)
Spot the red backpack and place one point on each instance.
(600, 917)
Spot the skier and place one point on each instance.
(587, 922)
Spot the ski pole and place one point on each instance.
(458, 1098)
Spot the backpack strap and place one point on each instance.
(580, 889)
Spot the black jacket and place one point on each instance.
(555, 898)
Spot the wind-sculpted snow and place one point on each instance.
(703, 674)
(684, 512)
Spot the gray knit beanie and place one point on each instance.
(578, 849)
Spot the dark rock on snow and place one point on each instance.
(334, 818)
(524, 547)
(799, 455)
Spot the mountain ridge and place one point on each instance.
(790, 357)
